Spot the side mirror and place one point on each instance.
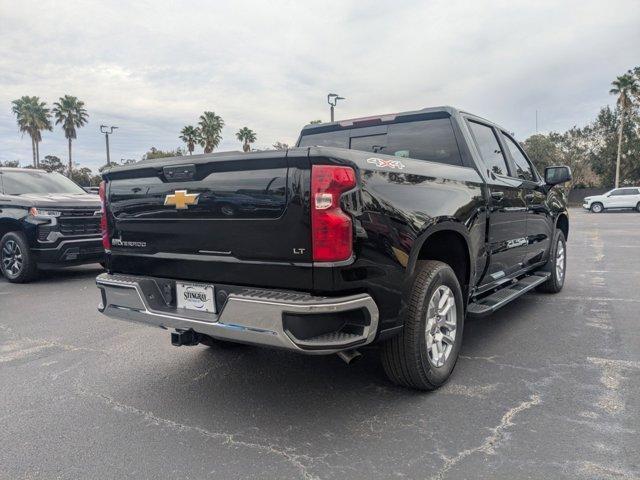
(557, 175)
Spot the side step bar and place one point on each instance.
(496, 300)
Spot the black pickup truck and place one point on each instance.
(389, 229)
(45, 220)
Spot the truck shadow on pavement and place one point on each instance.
(260, 378)
(69, 273)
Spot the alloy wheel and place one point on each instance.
(560, 261)
(12, 258)
(441, 325)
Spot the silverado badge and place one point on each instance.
(181, 199)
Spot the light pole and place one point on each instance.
(332, 99)
(107, 131)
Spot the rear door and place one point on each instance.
(507, 207)
(616, 199)
(629, 198)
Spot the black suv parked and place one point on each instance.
(45, 220)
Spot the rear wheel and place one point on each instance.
(638, 207)
(556, 266)
(16, 260)
(597, 207)
(425, 353)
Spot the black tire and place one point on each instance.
(555, 282)
(17, 263)
(405, 358)
(597, 207)
(638, 207)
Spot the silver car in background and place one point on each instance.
(626, 197)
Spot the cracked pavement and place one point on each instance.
(548, 387)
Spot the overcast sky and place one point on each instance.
(151, 67)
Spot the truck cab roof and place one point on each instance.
(390, 118)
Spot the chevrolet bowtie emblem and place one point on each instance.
(181, 199)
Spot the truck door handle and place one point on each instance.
(497, 195)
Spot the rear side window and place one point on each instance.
(489, 147)
(523, 168)
(431, 140)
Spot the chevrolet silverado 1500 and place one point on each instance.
(389, 229)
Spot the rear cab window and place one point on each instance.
(432, 140)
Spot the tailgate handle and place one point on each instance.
(179, 173)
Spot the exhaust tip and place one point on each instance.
(349, 356)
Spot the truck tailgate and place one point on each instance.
(229, 218)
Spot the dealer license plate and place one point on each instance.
(195, 297)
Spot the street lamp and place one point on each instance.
(107, 130)
(332, 99)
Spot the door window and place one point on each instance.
(489, 147)
(524, 170)
(630, 191)
(617, 193)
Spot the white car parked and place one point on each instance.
(627, 197)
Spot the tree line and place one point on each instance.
(603, 153)
(606, 151)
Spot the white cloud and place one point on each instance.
(152, 67)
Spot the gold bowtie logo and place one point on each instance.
(181, 199)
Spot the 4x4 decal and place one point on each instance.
(383, 163)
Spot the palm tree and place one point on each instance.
(246, 136)
(190, 135)
(71, 114)
(210, 131)
(636, 74)
(625, 87)
(32, 116)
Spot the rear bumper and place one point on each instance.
(255, 316)
(70, 252)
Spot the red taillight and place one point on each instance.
(332, 230)
(104, 225)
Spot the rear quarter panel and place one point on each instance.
(400, 202)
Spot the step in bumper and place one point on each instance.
(272, 318)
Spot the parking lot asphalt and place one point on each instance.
(548, 387)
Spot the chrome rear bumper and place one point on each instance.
(250, 315)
